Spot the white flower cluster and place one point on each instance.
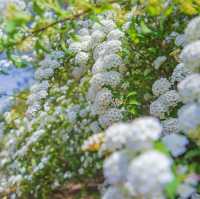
(161, 106)
(188, 91)
(39, 90)
(159, 61)
(176, 143)
(161, 86)
(31, 140)
(189, 88)
(82, 50)
(136, 135)
(20, 4)
(170, 126)
(179, 73)
(135, 170)
(107, 45)
(192, 32)
(102, 42)
(188, 188)
(48, 65)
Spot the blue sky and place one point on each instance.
(12, 82)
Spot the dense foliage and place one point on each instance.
(116, 93)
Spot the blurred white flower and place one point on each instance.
(149, 172)
(115, 168)
(175, 143)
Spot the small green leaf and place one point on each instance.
(144, 28)
(171, 188)
(37, 9)
(161, 147)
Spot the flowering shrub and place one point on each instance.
(101, 67)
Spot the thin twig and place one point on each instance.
(34, 32)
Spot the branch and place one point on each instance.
(34, 32)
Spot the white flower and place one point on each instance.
(160, 86)
(97, 37)
(83, 32)
(92, 92)
(107, 62)
(137, 135)
(111, 78)
(105, 26)
(49, 62)
(170, 125)
(115, 168)
(179, 73)
(33, 109)
(159, 61)
(149, 172)
(180, 40)
(191, 56)
(86, 45)
(111, 47)
(192, 32)
(102, 101)
(95, 128)
(78, 72)
(44, 85)
(186, 190)
(81, 58)
(35, 97)
(85, 38)
(84, 112)
(106, 48)
(43, 73)
(75, 47)
(111, 116)
(72, 113)
(115, 34)
(175, 143)
(143, 131)
(115, 136)
(158, 109)
(189, 88)
(57, 54)
(98, 49)
(189, 117)
(170, 98)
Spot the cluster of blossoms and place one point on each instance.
(162, 106)
(189, 87)
(20, 4)
(97, 54)
(74, 96)
(135, 169)
(49, 105)
(108, 64)
(167, 99)
(39, 91)
(186, 80)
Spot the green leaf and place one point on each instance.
(171, 188)
(37, 9)
(147, 71)
(133, 93)
(10, 27)
(161, 147)
(144, 28)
